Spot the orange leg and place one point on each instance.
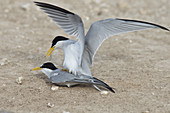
(65, 70)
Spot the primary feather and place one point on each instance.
(103, 29)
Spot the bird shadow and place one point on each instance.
(45, 78)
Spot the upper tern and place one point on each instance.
(79, 54)
(64, 78)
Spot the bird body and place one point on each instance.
(79, 55)
(71, 57)
(64, 78)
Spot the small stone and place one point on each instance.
(17, 28)
(18, 46)
(130, 41)
(145, 112)
(25, 7)
(104, 92)
(54, 87)
(66, 112)
(19, 80)
(4, 61)
(50, 105)
(156, 87)
(99, 13)
(6, 10)
(87, 18)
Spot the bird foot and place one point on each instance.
(65, 70)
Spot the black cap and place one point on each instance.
(48, 65)
(58, 38)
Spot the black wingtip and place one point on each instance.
(111, 89)
(46, 5)
(159, 26)
(105, 85)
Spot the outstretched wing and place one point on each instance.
(103, 29)
(70, 22)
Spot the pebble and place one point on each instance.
(6, 10)
(4, 61)
(66, 112)
(50, 105)
(153, 93)
(25, 7)
(18, 46)
(17, 28)
(87, 18)
(104, 92)
(145, 112)
(54, 87)
(130, 41)
(19, 80)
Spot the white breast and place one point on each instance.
(71, 53)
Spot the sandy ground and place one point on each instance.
(136, 64)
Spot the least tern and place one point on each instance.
(80, 54)
(64, 78)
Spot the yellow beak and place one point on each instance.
(49, 51)
(37, 68)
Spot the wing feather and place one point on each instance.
(62, 17)
(103, 29)
(70, 22)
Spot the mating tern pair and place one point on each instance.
(79, 54)
(64, 78)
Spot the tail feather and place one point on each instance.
(93, 81)
(101, 83)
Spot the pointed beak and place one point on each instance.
(37, 68)
(50, 51)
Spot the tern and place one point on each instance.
(64, 78)
(79, 55)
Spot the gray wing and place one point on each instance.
(91, 80)
(103, 29)
(70, 22)
(59, 76)
(63, 77)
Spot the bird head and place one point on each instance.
(56, 43)
(46, 68)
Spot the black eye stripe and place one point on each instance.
(58, 38)
(48, 65)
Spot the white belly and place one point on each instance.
(71, 59)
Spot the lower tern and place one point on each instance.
(79, 55)
(64, 78)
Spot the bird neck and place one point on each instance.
(47, 72)
(66, 43)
